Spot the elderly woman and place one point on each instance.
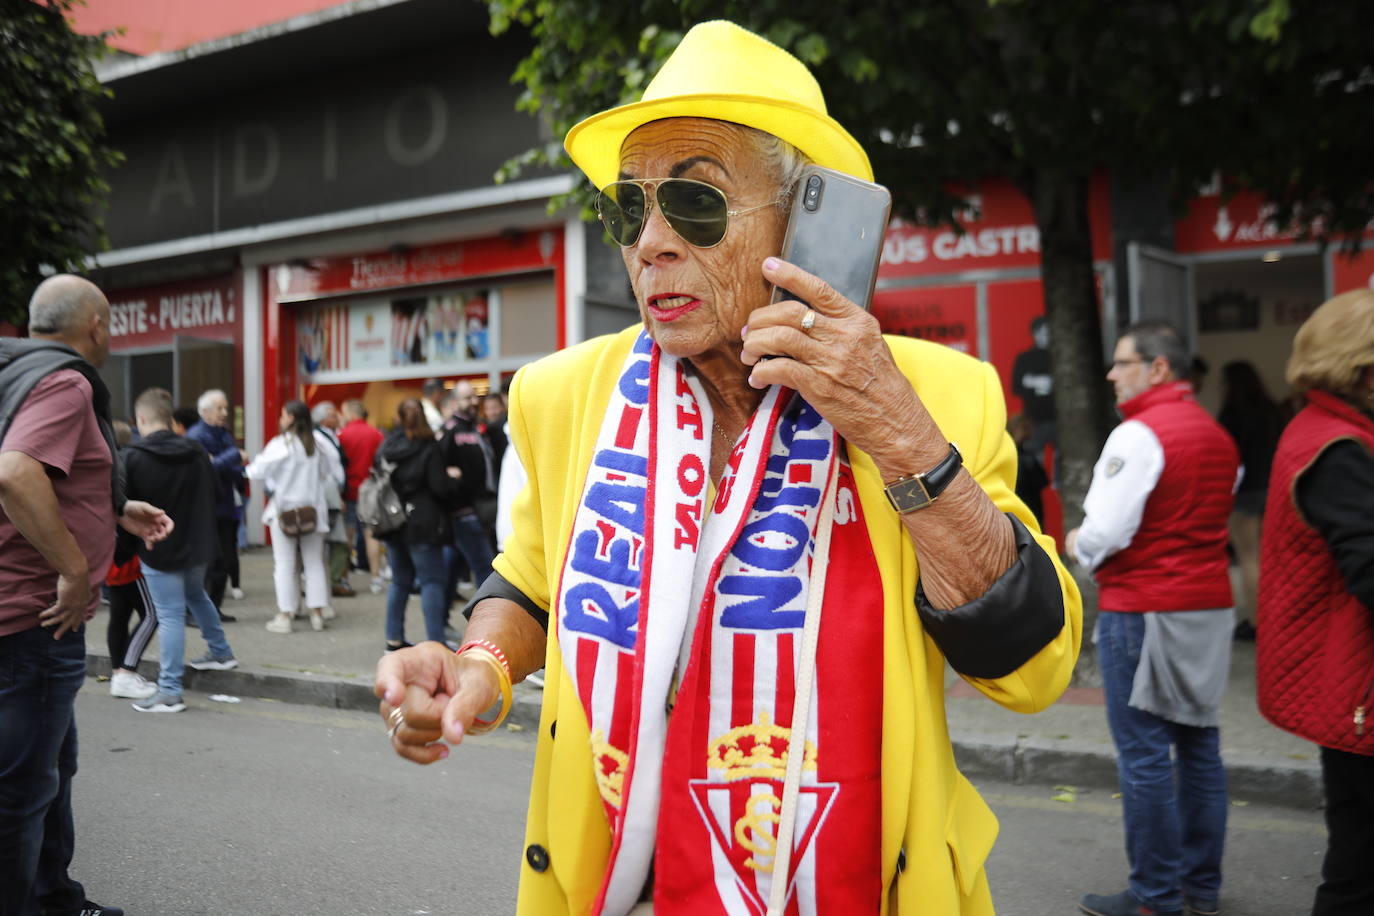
(1315, 649)
(705, 553)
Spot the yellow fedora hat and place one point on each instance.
(723, 71)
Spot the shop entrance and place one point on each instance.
(187, 368)
(1249, 309)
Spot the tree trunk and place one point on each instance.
(1081, 399)
(1080, 390)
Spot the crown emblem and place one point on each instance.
(757, 751)
(609, 762)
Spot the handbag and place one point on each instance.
(298, 521)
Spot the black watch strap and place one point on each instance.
(912, 493)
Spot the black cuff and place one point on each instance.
(1020, 614)
(496, 586)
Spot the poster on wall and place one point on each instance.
(446, 326)
(433, 331)
(475, 311)
(322, 338)
(410, 344)
(368, 343)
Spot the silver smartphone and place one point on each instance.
(836, 232)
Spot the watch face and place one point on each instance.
(908, 495)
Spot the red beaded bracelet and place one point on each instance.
(491, 647)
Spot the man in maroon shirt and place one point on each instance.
(60, 500)
(360, 441)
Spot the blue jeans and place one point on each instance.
(471, 540)
(173, 592)
(1174, 809)
(409, 563)
(39, 678)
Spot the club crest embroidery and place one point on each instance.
(742, 813)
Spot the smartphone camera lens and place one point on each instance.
(812, 198)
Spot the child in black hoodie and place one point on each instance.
(178, 471)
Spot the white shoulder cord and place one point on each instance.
(801, 707)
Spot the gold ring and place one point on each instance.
(396, 719)
(808, 320)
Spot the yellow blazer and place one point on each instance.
(933, 818)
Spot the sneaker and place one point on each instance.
(1122, 904)
(227, 618)
(386, 572)
(342, 590)
(208, 662)
(236, 593)
(392, 647)
(535, 680)
(279, 624)
(131, 686)
(329, 612)
(160, 702)
(1193, 906)
(377, 586)
(89, 908)
(317, 621)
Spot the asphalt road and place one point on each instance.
(271, 809)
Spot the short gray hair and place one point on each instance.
(60, 303)
(320, 411)
(784, 159)
(1159, 338)
(203, 402)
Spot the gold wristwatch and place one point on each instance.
(911, 493)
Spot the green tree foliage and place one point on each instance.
(52, 149)
(1045, 92)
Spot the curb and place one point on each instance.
(330, 691)
(1049, 761)
(1019, 760)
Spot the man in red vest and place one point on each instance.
(1154, 533)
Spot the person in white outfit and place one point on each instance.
(295, 474)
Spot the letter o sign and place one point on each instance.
(435, 111)
(691, 476)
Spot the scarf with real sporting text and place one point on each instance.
(649, 561)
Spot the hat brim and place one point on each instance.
(594, 144)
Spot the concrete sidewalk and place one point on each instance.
(1066, 744)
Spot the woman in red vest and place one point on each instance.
(1315, 654)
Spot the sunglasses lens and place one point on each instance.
(621, 207)
(695, 210)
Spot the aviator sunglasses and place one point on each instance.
(696, 211)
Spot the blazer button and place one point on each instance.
(538, 857)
